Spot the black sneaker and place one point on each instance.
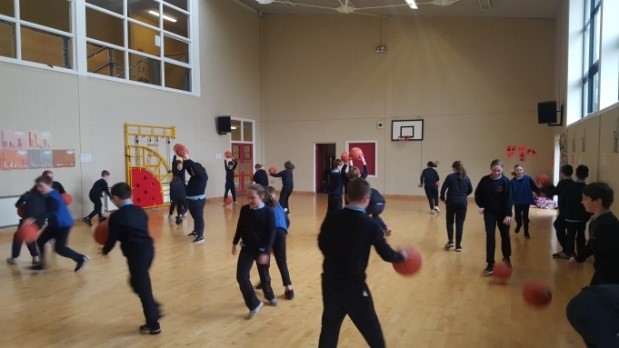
(562, 255)
(488, 270)
(289, 294)
(458, 248)
(39, 267)
(192, 234)
(517, 230)
(81, 263)
(155, 330)
(103, 218)
(179, 220)
(507, 261)
(449, 245)
(527, 235)
(87, 221)
(198, 240)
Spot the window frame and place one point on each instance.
(591, 68)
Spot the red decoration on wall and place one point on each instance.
(509, 150)
(146, 188)
(369, 152)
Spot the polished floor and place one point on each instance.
(448, 304)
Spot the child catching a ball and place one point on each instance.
(522, 187)
(230, 167)
(287, 184)
(129, 226)
(35, 213)
(256, 228)
(345, 239)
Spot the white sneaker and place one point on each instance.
(432, 212)
(170, 218)
(36, 260)
(437, 209)
(11, 261)
(255, 311)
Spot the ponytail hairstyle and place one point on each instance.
(263, 193)
(458, 167)
(354, 173)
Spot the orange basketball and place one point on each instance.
(356, 153)
(21, 211)
(27, 233)
(180, 150)
(273, 170)
(410, 265)
(228, 200)
(537, 294)
(502, 271)
(543, 180)
(101, 233)
(67, 198)
(345, 156)
(228, 154)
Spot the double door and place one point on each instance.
(244, 154)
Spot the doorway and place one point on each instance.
(244, 154)
(324, 155)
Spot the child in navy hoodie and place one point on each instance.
(260, 176)
(196, 197)
(458, 187)
(429, 181)
(522, 193)
(230, 167)
(35, 211)
(576, 216)
(565, 179)
(336, 186)
(287, 184)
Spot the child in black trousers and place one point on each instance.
(377, 201)
(336, 186)
(603, 241)
(494, 199)
(559, 224)
(260, 176)
(99, 188)
(287, 184)
(129, 226)
(575, 214)
(523, 187)
(196, 196)
(230, 167)
(345, 239)
(178, 200)
(256, 229)
(35, 211)
(429, 181)
(458, 187)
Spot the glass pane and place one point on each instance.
(247, 152)
(236, 131)
(145, 11)
(175, 22)
(178, 3)
(587, 8)
(585, 98)
(110, 5)
(177, 77)
(7, 8)
(587, 50)
(103, 27)
(143, 69)
(596, 37)
(176, 49)
(51, 13)
(248, 134)
(7, 39)
(595, 93)
(235, 149)
(43, 47)
(106, 61)
(144, 39)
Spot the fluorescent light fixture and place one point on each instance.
(166, 17)
(412, 4)
(264, 2)
(233, 127)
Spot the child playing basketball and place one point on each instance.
(522, 192)
(429, 181)
(230, 167)
(336, 186)
(348, 166)
(559, 224)
(196, 196)
(345, 239)
(129, 226)
(575, 214)
(603, 234)
(260, 176)
(458, 187)
(35, 211)
(59, 223)
(287, 184)
(494, 199)
(256, 229)
(99, 188)
(377, 202)
(178, 200)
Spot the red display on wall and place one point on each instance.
(369, 152)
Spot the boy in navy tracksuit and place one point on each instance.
(196, 197)
(522, 193)
(575, 215)
(287, 184)
(336, 186)
(260, 176)
(345, 240)
(559, 224)
(35, 211)
(99, 188)
(603, 234)
(429, 181)
(493, 196)
(458, 187)
(230, 167)
(129, 226)
(58, 227)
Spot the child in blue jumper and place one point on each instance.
(522, 187)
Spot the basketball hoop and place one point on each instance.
(404, 138)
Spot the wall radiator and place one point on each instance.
(8, 213)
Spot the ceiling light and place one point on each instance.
(264, 2)
(412, 4)
(166, 17)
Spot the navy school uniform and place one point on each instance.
(261, 177)
(287, 187)
(575, 217)
(522, 193)
(559, 224)
(196, 197)
(603, 245)
(58, 187)
(455, 191)
(180, 173)
(336, 190)
(282, 224)
(99, 188)
(230, 186)
(377, 207)
(178, 197)
(35, 207)
(495, 196)
(129, 226)
(429, 178)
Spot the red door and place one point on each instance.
(244, 154)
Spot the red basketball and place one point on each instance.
(180, 150)
(21, 211)
(228, 200)
(345, 156)
(228, 154)
(502, 271)
(101, 233)
(356, 153)
(67, 198)
(543, 180)
(411, 264)
(27, 233)
(537, 294)
(273, 170)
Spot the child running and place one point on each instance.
(345, 239)
(603, 234)
(494, 199)
(377, 202)
(35, 211)
(256, 228)
(230, 167)
(129, 226)
(336, 186)
(522, 192)
(99, 188)
(458, 186)
(429, 181)
(287, 184)
(576, 216)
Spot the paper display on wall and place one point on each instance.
(32, 149)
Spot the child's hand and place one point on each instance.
(233, 249)
(507, 221)
(481, 210)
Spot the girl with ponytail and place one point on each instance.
(457, 186)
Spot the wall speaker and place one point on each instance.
(224, 125)
(547, 112)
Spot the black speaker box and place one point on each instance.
(223, 125)
(547, 112)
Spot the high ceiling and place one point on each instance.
(467, 8)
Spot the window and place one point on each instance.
(242, 131)
(591, 57)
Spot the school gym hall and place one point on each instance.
(309, 173)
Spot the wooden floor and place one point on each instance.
(448, 304)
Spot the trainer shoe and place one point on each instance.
(289, 294)
(179, 220)
(36, 260)
(517, 230)
(11, 261)
(527, 235)
(432, 212)
(458, 249)
(103, 218)
(87, 221)
(170, 217)
(507, 261)
(255, 311)
(437, 209)
(387, 232)
(192, 234)
(155, 330)
(39, 267)
(81, 263)
(562, 255)
(488, 270)
(198, 240)
(273, 302)
(449, 245)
